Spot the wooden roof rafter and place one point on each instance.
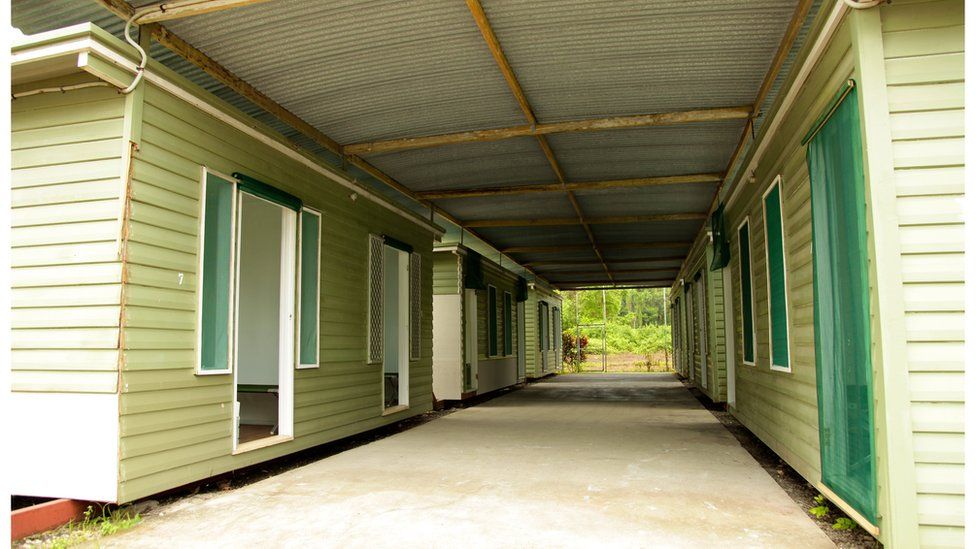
(491, 40)
(198, 58)
(593, 124)
(687, 179)
(610, 220)
(607, 246)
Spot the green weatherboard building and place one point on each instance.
(824, 299)
(205, 299)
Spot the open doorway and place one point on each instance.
(265, 322)
(396, 327)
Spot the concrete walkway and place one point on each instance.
(583, 460)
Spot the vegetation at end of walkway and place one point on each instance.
(636, 322)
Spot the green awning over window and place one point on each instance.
(263, 190)
(720, 240)
(474, 274)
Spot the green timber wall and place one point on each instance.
(923, 58)
(503, 281)
(537, 365)
(175, 425)
(781, 407)
(66, 170)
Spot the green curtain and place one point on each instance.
(745, 295)
(775, 253)
(841, 309)
(309, 292)
(720, 240)
(474, 275)
(216, 275)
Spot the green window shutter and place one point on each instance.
(308, 342)
(779, 342)
(507, 322)
(841, 310)
(374, 324)
(492, 321)
(215, 280)
(745, 295)
(415, 310)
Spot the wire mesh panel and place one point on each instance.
(841, 313)
(375, 321)
(415, 275)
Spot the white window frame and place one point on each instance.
(488, 352)
(232, 312)
(318, 297)
(507, 322)
(752, 296)
(777, 181)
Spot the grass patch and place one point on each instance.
(94, 526)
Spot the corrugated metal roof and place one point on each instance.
(363, 69)
(578, 59)
(511, 161)
(366, 70)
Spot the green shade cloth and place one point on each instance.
(720, 240)
(521, 290)
(474, 275)
(776, 273)
(492, 321)
(267, 192)
(309, 291)
(841, 308)
(215, 278)
(745, 295)
(507, 322)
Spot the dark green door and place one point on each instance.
(841, 323)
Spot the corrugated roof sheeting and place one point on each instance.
(578, 59)
(506, 162)
(642, 232)
(505, 237)
(511, 207)
(361, 70)
(647, 200)
(646, 152)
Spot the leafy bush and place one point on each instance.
(570, 357)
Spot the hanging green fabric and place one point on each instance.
(841, 306)
(720, 240)
(521, 290)
(474, 275)
(263, 190)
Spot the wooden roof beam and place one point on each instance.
(581, 284)
(167, 38)
(481, 20)
(616, 272)
(702, 178)
(612, 220)
(188, 8)
(593, 124)
(622, 285)
(592, 262)
(608, 245)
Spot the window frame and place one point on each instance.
(508, 341)
(318, 293)
(777, 183)
(232, 281)
(491, 323)
(752, 293)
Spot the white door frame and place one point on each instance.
(286, 324)
(520, 331)
(471, 336)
